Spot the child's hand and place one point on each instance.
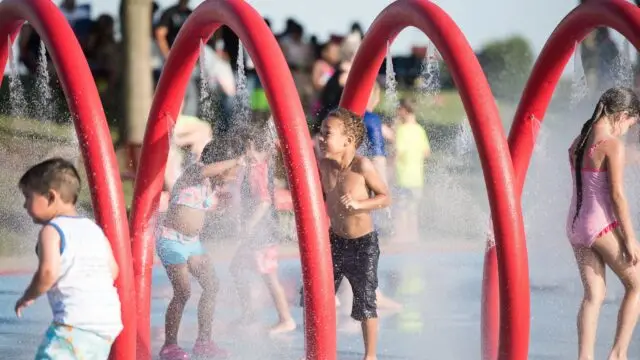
(349, 202)
(22, 303)
(632, 253)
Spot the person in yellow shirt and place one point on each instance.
(412, 149)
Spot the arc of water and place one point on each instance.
(296, 144)
(94, 138)
(490, 138)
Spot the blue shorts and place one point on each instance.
(174, 252)
(62, 342)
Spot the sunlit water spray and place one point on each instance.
(206, 106)
(390, 92)
(455, 194)
(429, 85)
(579, 87)
(241, 107)
(622, 69)
(17, 100)
(45, 105)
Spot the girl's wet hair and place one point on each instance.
(223, 149)
(614, 101)
(259, 136)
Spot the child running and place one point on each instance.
(179, 248)
(258, 250)
(353, 188)
(598, 224)
(76, 267)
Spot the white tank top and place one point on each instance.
(84, 295)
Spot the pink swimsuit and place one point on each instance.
(596, 217)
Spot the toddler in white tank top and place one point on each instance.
(76, 267)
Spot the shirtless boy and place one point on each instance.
(353, 189)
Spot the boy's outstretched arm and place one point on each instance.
(48, 267)
(374, 182)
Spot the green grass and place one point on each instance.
(33, 138)
(30, 128)
(447, 110)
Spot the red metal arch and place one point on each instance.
(95, 139)
(301, 166)
(489, 134)
(619, 15)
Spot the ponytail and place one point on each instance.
(579, 153)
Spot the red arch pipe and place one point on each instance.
(298, 153)
(490, 137)
(94, 137)
(620, 15)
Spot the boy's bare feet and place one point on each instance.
(283, 327)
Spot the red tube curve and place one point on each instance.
(620, 15)
(94, 137)
(490, 137)
(294, 136)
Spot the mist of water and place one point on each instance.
(17, 101)
(241, 108)
(45, 106)
(206, 106)
(579, 88)
(391, 91)
(429, 85)
(455, 193)
(622, 69)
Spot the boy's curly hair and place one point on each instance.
(353, 124)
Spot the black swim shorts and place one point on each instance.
(357, 260)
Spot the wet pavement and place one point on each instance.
(440, 292)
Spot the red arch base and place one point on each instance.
(296, 143)
(95, 139)
(489, 134)
(620, 15)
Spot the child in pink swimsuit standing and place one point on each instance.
(599, 225)
(179, 248)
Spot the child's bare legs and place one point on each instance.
(592, 273)
(179, 278)
(242, 286)
(285, 322)
(201, 269)
(606, 250)
(370, 337)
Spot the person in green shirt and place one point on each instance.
(411, 150)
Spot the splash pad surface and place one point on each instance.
(458, 295)
(440, 318)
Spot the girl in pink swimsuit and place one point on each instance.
(598, 224)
